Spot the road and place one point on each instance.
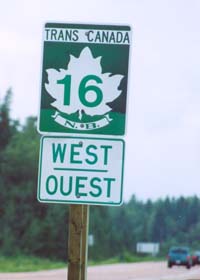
(135, 271)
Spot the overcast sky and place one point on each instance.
(163, 118)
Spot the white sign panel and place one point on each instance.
(148, 247)
(80, 170)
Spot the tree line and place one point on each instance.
(30, 227)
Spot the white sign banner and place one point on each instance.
(80, 170)
(88, 36)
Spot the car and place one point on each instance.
(179, 256)
(196, 258)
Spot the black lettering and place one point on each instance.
(105, 36)
(98, 37)
(68, 35)
(112, 38)
(47, 34)
(53, 34)
(90, 39)
(119, 37)
(75, 35)
(126, 38)
(61, 35)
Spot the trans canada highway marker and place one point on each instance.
(84, 79)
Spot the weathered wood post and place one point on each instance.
(84, 253)
(77, 242)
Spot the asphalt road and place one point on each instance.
(136, 271)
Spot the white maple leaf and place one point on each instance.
(78, 68)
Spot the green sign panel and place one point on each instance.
(84, 79)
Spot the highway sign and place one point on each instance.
(84, 79)
(80, 170)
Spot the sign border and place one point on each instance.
(79, 201)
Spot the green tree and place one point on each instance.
(7, 126)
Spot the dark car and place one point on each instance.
(179, 256)
(196, 258)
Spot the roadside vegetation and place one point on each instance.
(127, 258)
(30, 228)
(22, 263)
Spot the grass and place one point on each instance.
(126, 258)
(22, 263)
(27, 263)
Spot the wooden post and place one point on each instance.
(84, 253)
(74, 242)
(77, 242)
